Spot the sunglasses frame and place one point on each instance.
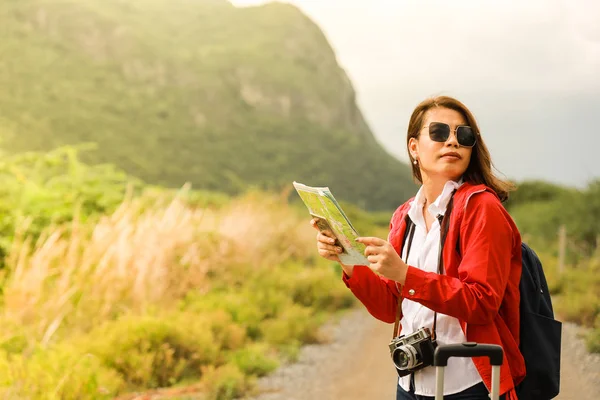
(450, 131)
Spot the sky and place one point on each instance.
(528, 70)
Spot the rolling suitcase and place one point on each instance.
(469, 349)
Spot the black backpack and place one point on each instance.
(540, 333)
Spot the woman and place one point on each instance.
(476, 296)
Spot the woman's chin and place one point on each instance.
(453, 174)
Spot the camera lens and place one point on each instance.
(404, 357)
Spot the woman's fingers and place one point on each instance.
(326, 243)
(313, 222)
(328, 253)
(373, 259)
(326, 246)
(371, 251)
(323, 238)
(329, 247)
(326, 232)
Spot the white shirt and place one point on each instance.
(461, 372)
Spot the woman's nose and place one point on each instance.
(452, 139)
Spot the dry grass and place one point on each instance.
(140, 257)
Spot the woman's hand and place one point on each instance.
(384, 259)
(326, 243)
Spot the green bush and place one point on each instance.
(53, 188)
(256, 359)
(295, 323)
(593, 339)
(534, 191)
(238, 304)
(156, 351)
(579, 300)
(267, 294)
(539, 210)
(63, 372)
(14, 338)
(225, 383)
(319, 289)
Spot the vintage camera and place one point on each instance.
(413, 352)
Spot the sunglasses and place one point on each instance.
(440, 132)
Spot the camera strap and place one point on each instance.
(409, 233)
(444, 225)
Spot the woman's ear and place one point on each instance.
(413, 148)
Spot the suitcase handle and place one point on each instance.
(467, 349)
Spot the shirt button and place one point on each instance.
(411, 291)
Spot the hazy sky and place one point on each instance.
(529, 70)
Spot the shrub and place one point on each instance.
(225, 383)
(156, 351)
(63, 372)
(580, 301)
(256, 359)
(41, 189)
(593, 339)
(321, 290)
(295, 324)
(156, 293)
(239, 304)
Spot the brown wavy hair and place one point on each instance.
(480, 167)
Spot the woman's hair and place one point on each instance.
(479, 170)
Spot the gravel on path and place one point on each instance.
(355, 365)
(579, 370)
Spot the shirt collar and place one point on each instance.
(438, 207)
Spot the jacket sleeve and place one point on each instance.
(378, 294)
(487, 241)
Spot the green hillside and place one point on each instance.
(190, 91)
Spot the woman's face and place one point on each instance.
(436, 160)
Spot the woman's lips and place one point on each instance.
(452, 155)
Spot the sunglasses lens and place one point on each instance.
(439, 132)
(465, 136)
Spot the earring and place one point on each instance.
(415, 162)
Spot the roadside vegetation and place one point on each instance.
(110, 287)
(562, 225)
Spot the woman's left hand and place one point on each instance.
(384, 259)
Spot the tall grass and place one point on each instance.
(127, 261)
(576, 292)
(155, 294)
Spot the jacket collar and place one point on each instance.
(464, 193)
(461, 198)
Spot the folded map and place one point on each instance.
(321, 204)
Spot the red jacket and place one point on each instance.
(480, 286)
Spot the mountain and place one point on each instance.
(177, 91)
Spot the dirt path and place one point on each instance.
(580, 370)
(355, 365)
